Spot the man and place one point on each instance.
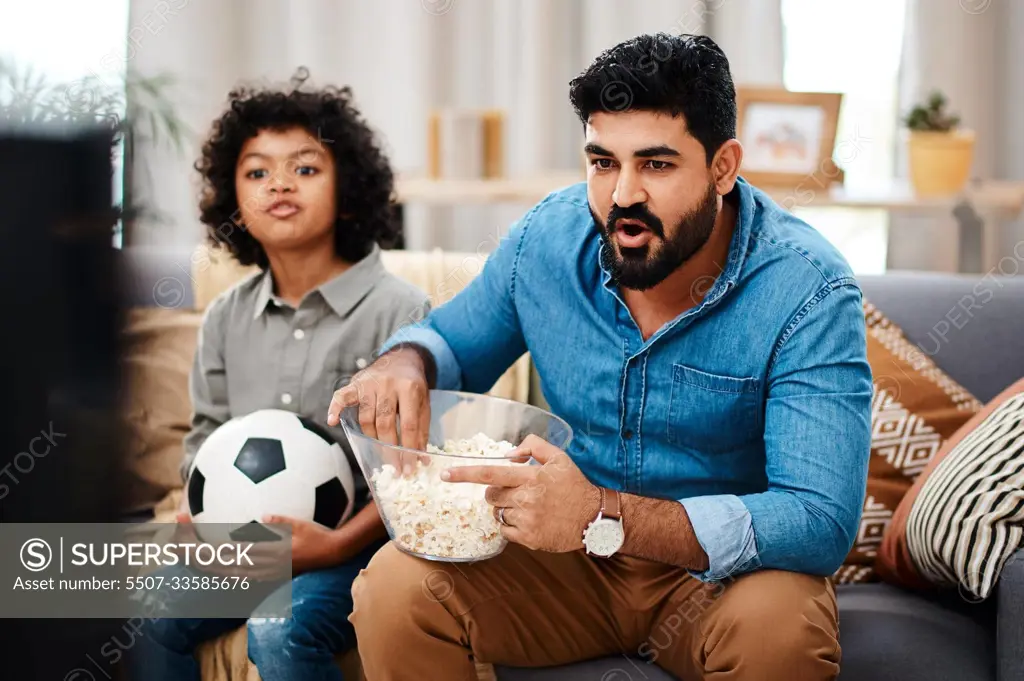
(708, 350)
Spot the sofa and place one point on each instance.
(886, 633)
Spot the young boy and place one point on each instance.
(295, 183)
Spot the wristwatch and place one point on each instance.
(605, 534)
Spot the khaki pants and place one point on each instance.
(418, 620)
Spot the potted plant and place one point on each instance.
(941, 152)
(133, 107)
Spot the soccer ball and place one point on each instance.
(269, 462)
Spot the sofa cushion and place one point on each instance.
(969, 324)
(914, 409)
(214, 271)
(1010, 619)
(964, 516)
(158, 347)
(888, 634)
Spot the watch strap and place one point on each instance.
(611, 504)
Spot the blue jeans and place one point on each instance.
(301, 647)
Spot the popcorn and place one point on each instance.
(443, 519)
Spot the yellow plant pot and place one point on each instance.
(940, 162)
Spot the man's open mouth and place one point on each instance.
(632, 233)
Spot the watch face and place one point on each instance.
(604, 537)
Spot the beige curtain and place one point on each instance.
(386, 50)
(750, 33)
(1009, 73)
(402, 58)
(972, 51)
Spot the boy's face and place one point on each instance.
(285, 183)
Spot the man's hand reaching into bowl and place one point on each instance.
(393, 395)
(544, 507)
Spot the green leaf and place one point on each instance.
(931, 114)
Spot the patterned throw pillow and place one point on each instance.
(914, 409)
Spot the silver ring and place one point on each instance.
(501, 517)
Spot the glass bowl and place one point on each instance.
(447, 521)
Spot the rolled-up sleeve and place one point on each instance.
(723, 528)
(476, 336)
(817, 440)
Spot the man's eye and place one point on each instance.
(257, 174)
(602, 163)
(659, 165)
(306, 170)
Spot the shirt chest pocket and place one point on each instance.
(340, 367)
(712, 413)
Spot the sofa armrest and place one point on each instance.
(1010, 619)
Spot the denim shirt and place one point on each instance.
(751, 409)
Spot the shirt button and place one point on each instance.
(299, 334)
(627, 434)
(361, 363)
(286, 398)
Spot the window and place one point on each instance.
(64, 42)
(853, 47)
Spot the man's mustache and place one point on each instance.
(636, 212)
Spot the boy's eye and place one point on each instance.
(257, 174)
(659, 165)
(602, 163)
(306, 170)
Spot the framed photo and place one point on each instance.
(787, 137)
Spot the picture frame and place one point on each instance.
(788, 137)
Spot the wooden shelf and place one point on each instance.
(529, 189)
(993, 201)
(994, 196)
(1001, 197)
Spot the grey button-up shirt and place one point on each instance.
(256, 351)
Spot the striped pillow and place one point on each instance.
(969, 517)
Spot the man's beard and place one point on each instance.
(640, 268)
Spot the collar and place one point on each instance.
(264, 294)
(738, 246)
(342, 293)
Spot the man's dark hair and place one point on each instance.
(365, 182)
(684, 75)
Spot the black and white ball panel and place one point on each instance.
(253, 532)
(259, 458)
(330, 500)
(196, 486)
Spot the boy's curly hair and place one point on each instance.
(365, 182)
